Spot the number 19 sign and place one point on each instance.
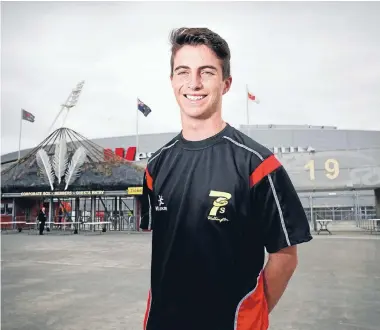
(331, 168)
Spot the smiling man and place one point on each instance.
(215, 200)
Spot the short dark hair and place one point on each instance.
(201, 36)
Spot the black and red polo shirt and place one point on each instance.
(214, 206)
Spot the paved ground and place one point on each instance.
(100, 282)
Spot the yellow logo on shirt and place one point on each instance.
(219, 205)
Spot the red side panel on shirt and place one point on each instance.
(253, 310)
(147, 310)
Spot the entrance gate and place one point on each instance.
(349, 206)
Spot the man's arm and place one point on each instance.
(277, 273)
(283, 225)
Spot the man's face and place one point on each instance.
(198, 82)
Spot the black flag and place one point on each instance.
(27, 116)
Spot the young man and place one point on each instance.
(215, 200)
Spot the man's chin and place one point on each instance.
(196, 113)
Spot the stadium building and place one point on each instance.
(336, 172)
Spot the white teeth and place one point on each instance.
(194, 98)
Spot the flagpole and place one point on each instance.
(247, 103)
(19, 139)
(137, 127)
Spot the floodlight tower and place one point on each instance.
(70, 102)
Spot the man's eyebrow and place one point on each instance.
(181, 67)
(208, 67)
(201, 68)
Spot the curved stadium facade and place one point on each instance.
(336, 172)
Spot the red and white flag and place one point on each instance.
(253, 97)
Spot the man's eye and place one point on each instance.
(182, 73)
(208, 73)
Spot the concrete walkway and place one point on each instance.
(96, 282)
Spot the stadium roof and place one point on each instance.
(67, 160)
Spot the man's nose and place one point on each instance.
(195, 81)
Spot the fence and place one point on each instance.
(106, 213)
(351, 207)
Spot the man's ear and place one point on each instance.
(227, 85)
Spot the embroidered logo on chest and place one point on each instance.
(218, 209)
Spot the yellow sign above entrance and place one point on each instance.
(135, 190)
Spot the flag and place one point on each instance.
(27, 116)
(253, 98)
(141, 106)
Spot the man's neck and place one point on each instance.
(200, 129)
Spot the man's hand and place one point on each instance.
(277, 273)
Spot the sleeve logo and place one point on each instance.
(219, 205)
(161, 204)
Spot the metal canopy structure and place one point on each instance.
(68, 164)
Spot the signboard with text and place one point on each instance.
(135, 191)
(131, 191)
(131, 153)
(63, 193)
(333, 170)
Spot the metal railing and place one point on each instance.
(371, 225)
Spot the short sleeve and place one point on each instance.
(277, 207)
(146, 212)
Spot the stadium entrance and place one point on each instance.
(79, 184)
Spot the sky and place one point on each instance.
(315, 63)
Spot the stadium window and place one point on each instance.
(337, 215)
(328, 214)
(370, 212)
(2, 208)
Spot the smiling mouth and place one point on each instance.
(195, 97)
